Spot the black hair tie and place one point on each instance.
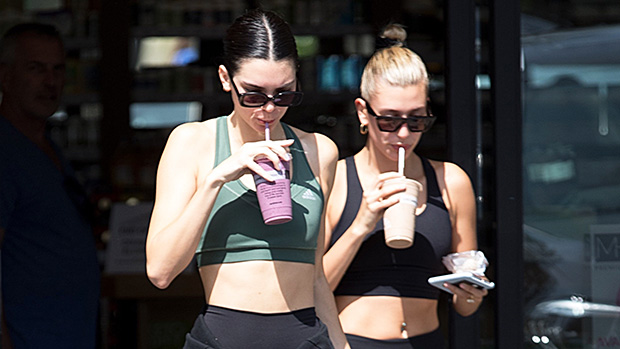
(383, 42)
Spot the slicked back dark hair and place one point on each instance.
(259, 34)
(10, 37)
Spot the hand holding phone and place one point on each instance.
(457, 278)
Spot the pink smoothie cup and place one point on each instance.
(274, 198)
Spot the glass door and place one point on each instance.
(571, 186)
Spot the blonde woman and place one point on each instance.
(382, 294)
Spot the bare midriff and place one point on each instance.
(386, 317)
(259, 286)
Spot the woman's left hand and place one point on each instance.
(467, 297)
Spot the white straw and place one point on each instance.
(267, 135)
(401, 161)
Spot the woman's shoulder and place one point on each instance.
(191, 140)
(451, 174)
(447, 167)
(191, 132)
(317, 143)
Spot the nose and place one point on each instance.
(403, 131)
(52, 77)
(269, 107)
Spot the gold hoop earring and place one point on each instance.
(363, 129)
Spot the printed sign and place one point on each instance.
(126, 249)
(605, 283)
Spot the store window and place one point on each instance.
(571, 183)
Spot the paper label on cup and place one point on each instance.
(408, 199)
(275, 193)
(274, 197)
(274, 174)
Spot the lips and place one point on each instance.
(396, 146)
(263, 122)
(52, 98)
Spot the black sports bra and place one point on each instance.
(378, 270)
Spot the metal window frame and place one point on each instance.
(462, 129)
(464, 139)
(505, 73)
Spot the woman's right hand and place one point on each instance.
(243, 161)
(376, 200)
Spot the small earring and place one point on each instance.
(363, 129)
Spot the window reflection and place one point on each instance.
(571, 163)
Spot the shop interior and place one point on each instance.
(136, 69)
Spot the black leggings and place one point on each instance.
(432, 340)
(223, 328)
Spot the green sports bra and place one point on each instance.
(235, 231)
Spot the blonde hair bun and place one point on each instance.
(392, 35)
(392, 63)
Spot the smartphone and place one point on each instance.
(457, 278)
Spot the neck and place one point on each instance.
(34, 129)
(31, 127)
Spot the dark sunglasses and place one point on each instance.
(258, 99)
(390, 123)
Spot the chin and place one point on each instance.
(44, 113)
(390, 155)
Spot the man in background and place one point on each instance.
(50, 273)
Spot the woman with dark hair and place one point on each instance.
(382, 294)
(264, 284)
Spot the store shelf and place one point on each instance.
(329, 97)
(214, 32)
(80, 98)
(83, 154)
(81, 43)
(217, 32)
(224, 98)
(335, 30)
(148, 96)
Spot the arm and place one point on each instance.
(324, 300)
(186, 191)
(339, 257)
(323, 297)
(182, 204)
(6, 341)
(462, 207)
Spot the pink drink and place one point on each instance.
(274, 198)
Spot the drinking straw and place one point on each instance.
(267, 135)
(401, 161)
